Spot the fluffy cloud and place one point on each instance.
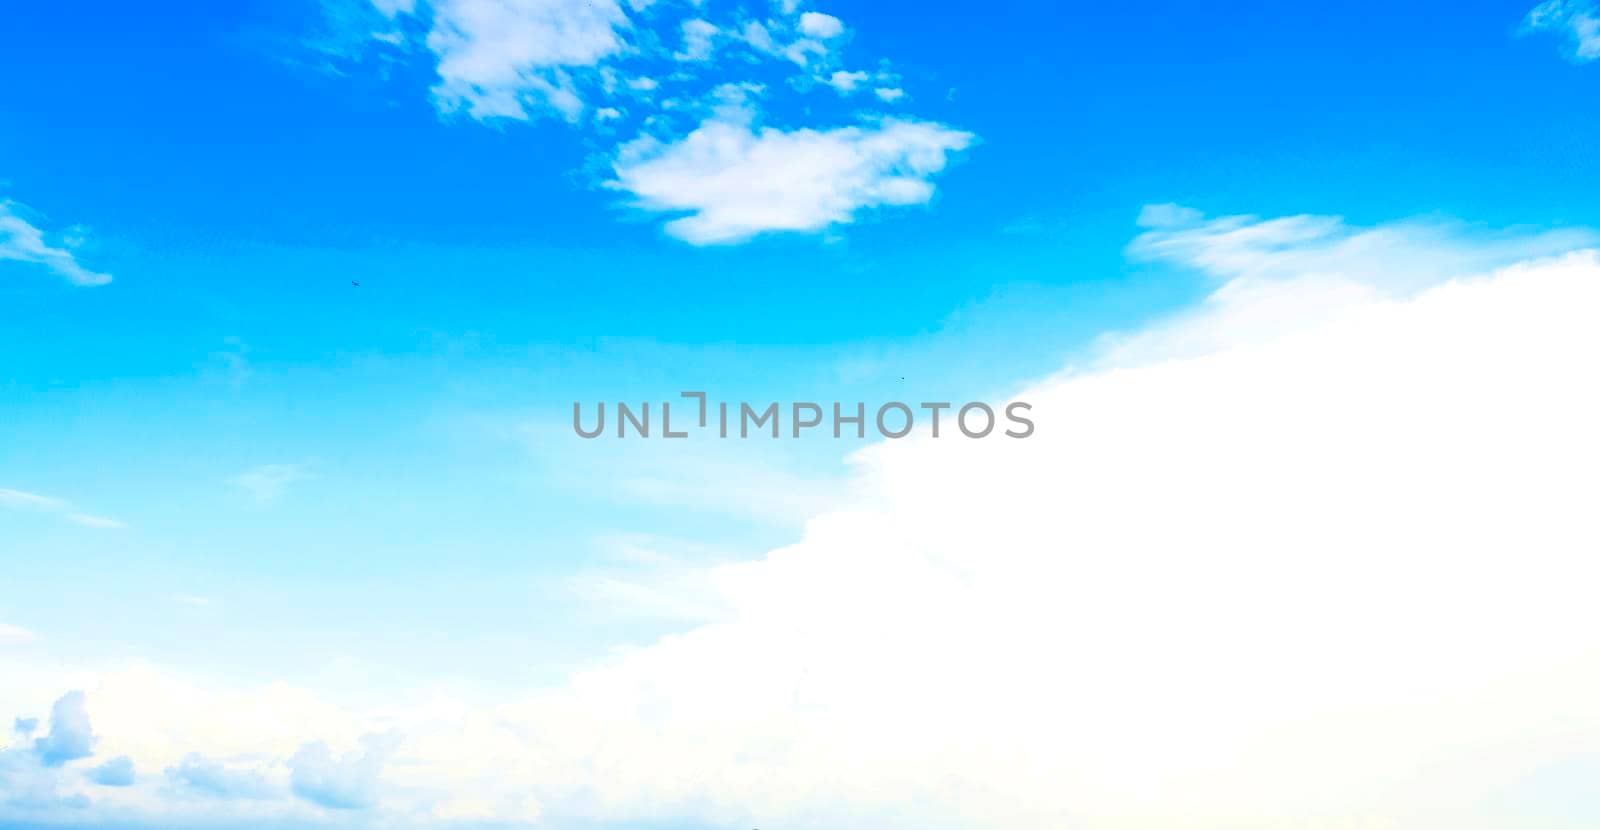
(735, 179)
(345, 783)
(22, 241)
(117, 772)
(267, 483)
(819, 25)
(498, 57)
(1333, 573)
(1577, 19)
(71, 736)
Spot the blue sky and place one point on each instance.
(218, 454)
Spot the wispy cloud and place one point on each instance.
(11, 635)
(1577, 20)
(22, 500)
(267, 483)
(22, 241)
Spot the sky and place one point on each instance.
(296, 299)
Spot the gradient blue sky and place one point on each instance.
(310, 478)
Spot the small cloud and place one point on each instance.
(698, 40)
(889, 94)
(845, 82)
(1579, 20)
(117, 772)
(1168, 216)
(819, 25)
(22, 241)
(267, 483)
(71, 736)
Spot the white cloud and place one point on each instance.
(513, 59)
(517, 58)
(819, 25)
(1578, 19)
(22, 241)
(1337, 574)
(845, 82)
(497, 57)
(735, 180)
(267, 483)
(71, 734)
(21, 500)
(698, 40)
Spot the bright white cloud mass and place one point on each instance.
(593, 63)
(1330, 566)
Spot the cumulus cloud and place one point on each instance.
(71, 736)
(1333, 574)
(845, 82)
(735, 179)
(819, 25)
(698, 40)
(22, 241)
(11, 635)
(1578, 20)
